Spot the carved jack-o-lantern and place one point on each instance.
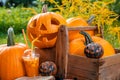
(44, 27)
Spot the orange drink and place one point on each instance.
(31, 64)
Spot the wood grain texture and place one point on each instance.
(83, 68)
(47, 54)
(37, 78)
(62, 51)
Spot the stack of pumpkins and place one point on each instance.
(85, 43)
(44, 28)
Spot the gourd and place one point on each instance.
(11, 65)
(77, 22)
(44, 26)
(92, 49)
(77, 46)
(48, 68)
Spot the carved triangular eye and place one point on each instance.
(43, 27)
(33, 23)
(55, 21)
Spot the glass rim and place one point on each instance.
(33, 55)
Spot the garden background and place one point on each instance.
(17, 13)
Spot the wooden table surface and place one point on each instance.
(37, 78)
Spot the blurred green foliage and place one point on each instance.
(16, 17)
(25, 3)
(115, 6)
(18, 38)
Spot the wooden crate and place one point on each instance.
(83, 68)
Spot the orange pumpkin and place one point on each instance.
(11, 66)
(44, 26)
(77, 46)
(77, 22)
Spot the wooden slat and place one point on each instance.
(96, 29)
(117, 50)
(110, 70)
(83, 28)
(75, 72)
(77, 77)
(83, 67)
(110, 60)
(47, 54)
(83, 63)
(36, 78)
(62, 51)
(110, 73)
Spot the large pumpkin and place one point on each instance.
(44, 26)
(77, 22)
(77, 46)
(11, 66)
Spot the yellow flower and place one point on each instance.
(115, 31)
(31, 9)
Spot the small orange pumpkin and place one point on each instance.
(77, 46)
(44, 26)
(77, 22)
(11, 66)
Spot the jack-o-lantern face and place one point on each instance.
(44, 26)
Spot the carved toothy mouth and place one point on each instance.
(46, 37)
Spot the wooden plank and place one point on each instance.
(86, 28)
(62, 51)
(83, 73)
(110, 60)
(83, 67)
(110, 70)
(110, 73)
(77, 77)
(117, 50)
(96, 29)
(47, 54)
(83, 63)
(36, 78)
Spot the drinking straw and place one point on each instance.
(25, 38)
(34, 41)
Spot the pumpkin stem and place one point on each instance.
(44, 8)
(10, 39)
(89, 21)
(88, 39)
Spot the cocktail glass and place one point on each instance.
(31, 63)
